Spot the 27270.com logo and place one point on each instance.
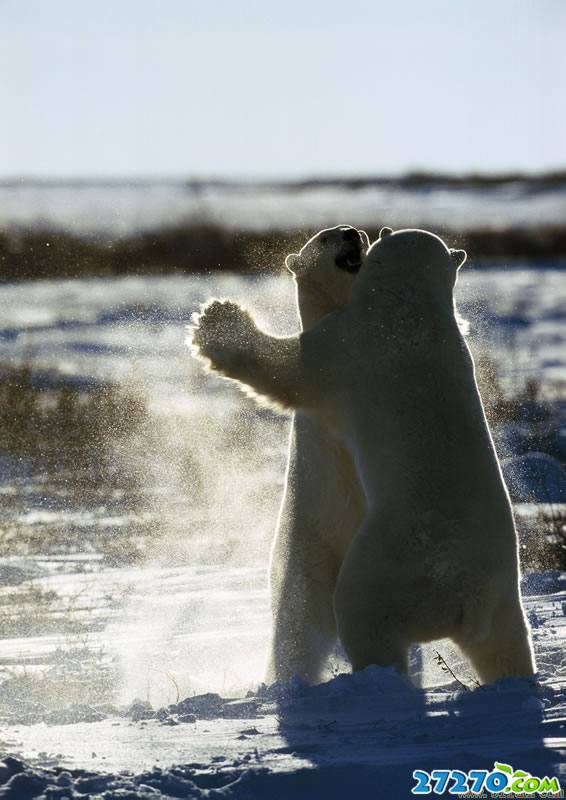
(502, 781)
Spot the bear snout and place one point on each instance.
(351, 235)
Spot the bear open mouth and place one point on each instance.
(350, 257)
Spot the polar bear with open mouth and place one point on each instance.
(323, 503)
(436, 555)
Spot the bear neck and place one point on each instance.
(312, 302)
(406, 308)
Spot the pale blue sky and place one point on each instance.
(290, 88)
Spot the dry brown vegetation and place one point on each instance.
(205, 248)
(35, 419)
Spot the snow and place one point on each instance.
(123, 209)
(194, 618)
(108, 327)
(357, 733)
(537, 476)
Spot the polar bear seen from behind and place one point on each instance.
(436, 555)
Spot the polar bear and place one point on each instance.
(436, 555)
(323, 503)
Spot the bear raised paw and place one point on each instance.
(221, 333)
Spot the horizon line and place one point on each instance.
(410, 176)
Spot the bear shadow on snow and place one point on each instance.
(364, 734)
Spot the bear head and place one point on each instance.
(414, 258)
(325, 269)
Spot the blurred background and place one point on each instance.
(155, 154)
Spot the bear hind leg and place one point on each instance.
(506, 651)
(367, 626)
(374, 646)
(304, 632)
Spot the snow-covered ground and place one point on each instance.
(193, 618)
(132, 327)
(358, 735)
(122, 208)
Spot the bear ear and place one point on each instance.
(385, 232)
(365, 237)
(458, 257)
(293, 263)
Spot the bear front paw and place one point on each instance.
(221, 332)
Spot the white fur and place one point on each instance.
(323, 504)
(436, 555)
